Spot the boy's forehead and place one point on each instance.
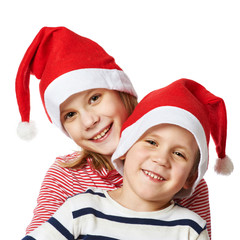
(157, 130)
(173, 134)
(163, 126)
(153, 130)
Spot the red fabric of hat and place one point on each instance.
(65, 63)
(187, 104)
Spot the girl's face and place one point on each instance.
(93, 119)
(158, 165)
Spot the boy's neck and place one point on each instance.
(136, 204)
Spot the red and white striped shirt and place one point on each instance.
(61, 183)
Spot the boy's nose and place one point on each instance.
(161, 159)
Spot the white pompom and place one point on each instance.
(224, 166)
(26, 130)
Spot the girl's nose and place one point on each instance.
(88, 119)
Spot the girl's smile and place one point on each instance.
(102, 134)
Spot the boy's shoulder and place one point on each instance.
(183, 213)
(90, 201)
(88, 198)
(91, 192)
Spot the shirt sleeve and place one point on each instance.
(57, 186)
(203, 235)
(60, 226)
(199, 203)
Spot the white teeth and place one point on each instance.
(101, 134)
(153, 175)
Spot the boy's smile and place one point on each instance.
(153, 176)
(156, 167)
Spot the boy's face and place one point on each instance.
(93, 119)
(158, 165)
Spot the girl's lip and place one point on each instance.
(103, 134)
(153, 176)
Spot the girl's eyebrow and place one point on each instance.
(91, 92)
(63, 113)
(85, 97)
(66, 111)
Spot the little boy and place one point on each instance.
(162, 154)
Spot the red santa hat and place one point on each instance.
(65, 63)
(189, 105)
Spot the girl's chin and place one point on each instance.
(107, 151)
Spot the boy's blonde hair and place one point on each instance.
(98, 160)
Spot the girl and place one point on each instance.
(87, 95)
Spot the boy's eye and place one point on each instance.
(94, 98)
(152, 142)
(179, 154)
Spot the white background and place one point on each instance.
(155, 42)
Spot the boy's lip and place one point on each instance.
(102, 134)
(154, 176)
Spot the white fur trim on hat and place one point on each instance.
(224, 166)
(80, 80)
(26, 130)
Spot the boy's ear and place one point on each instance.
(190, 181)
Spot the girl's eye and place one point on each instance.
(152, 142)
(69, 115)
(94, 98)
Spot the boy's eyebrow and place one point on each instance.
(156, 136)
(150, 135)
(90, 91)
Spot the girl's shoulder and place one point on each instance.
(67, 158)
(57, 170)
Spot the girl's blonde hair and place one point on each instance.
(98, 160)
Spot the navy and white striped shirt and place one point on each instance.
(95, 215)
